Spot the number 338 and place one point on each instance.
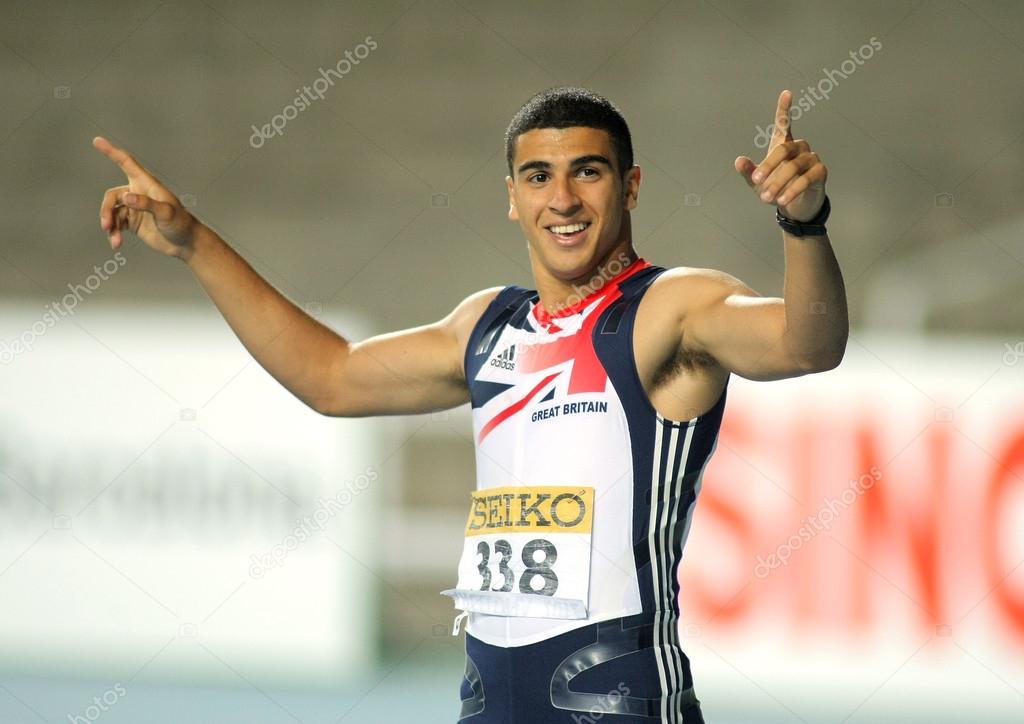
(533, 569)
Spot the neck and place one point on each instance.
(556, 294)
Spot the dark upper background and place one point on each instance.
(341, 209)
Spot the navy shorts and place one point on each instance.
(606, 672)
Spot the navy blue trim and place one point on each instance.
(612, 338)
(607, 668)
(613, 342)
(510, 306)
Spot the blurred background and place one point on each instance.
(183, 540)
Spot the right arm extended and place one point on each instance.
(399, 373)
(412, 371)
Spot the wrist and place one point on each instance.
(203, 239)
(810, 227)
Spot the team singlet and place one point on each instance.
(584, 492)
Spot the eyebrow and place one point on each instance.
(545, 166)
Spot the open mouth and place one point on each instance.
(568, 234)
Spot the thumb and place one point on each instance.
(161, 210)
(746, 167)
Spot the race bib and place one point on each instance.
(527, 552)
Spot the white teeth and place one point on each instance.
(570, 229)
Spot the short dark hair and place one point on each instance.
(568, 106)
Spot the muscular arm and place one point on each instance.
(771, 338)
(416, 370)
(407, 372)
(412, 371)
(768, 338)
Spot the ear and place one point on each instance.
(631, 188)
(513, 212)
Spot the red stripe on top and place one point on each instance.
(546, 318)
(514, 407)
(588, 374)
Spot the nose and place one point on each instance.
(564, 200)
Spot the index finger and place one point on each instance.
(783, 123)
(132, 168)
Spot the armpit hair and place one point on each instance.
(683, 360)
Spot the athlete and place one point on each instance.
(596, 401)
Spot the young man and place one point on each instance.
(596, 401)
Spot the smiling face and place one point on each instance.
(571, 202)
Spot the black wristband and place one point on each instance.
(812, 227)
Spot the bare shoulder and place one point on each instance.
(677, 297)
(681, 293)
(680, 380)
(460, 322)
(684, 288)
(663, 313)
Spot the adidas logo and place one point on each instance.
(506, 360)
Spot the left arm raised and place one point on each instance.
(768, 338)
